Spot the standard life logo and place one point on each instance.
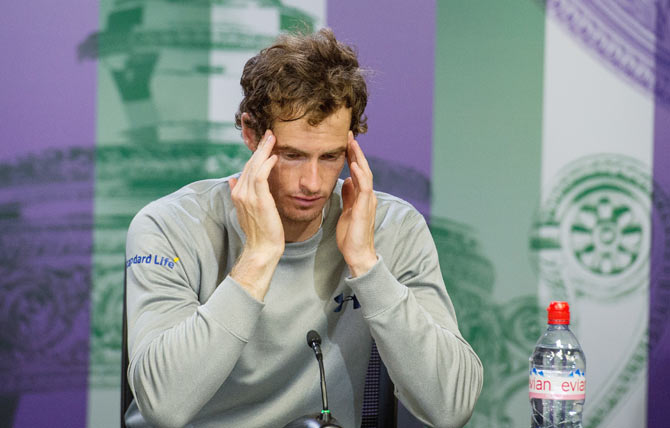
(152, 259)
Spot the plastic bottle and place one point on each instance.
(557, 383)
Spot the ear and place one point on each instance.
(248, 134)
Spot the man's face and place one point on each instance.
(310, 159)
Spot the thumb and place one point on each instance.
(348, 194)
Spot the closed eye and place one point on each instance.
(332, 156)
(291, 155)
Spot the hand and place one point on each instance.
(356, 226)
(259, 219)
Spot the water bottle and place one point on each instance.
(557, 383)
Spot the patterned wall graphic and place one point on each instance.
(592, 241)
(45, 224)
(500, 333)
(628, 35)
(658, 392)
(632, 38)
(605, 75)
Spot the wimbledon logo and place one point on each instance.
(149, 259)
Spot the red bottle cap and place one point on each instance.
(559, 313)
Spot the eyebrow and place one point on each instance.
(336, 151)
(284, 149)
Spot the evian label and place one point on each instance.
(555, 385)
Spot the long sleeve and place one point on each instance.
(436, 373)
(181, 351)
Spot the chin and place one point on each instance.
(298, 215)
(301, 216)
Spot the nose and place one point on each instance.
(310, 180)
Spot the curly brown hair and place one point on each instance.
(303, 76)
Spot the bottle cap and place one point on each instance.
(559, 313)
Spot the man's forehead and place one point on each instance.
(323, 139)
(329, 148)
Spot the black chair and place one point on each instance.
(126, 393)
(380, 406)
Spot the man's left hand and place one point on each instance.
(356, 227)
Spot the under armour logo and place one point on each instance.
(340, 300)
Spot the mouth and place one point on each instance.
(307, 201)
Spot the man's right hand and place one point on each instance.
(259, 219)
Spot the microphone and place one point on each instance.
(325, 419)
(314, 342)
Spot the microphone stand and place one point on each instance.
(325, 419)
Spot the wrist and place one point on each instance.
(362, 265)
(254, 270)
(261, 256)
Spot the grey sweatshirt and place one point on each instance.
(204, 353)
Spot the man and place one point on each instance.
(248, 264)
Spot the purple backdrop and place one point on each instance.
(47, 107)
(397, 41)
(48, 96)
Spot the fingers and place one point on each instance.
(351, 155)
(358, 176)
(257, 162)
(362, 184)
(359, 157)
(264, 148)
(348, 194)
(355, 155)
(256, 210)
(263, 171)
(262, 152)
(362, 180)
(359, 168)
(267, 142)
